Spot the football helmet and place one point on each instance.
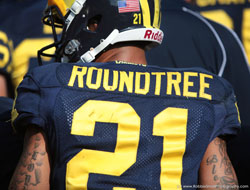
(117, 21)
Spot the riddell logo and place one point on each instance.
(149, 34)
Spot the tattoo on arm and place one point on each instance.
(221, 161)
(29, 167)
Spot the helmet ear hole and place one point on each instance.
(93, 23)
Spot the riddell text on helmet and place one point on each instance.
(158, 36)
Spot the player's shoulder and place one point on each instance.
(45, 75)
(219, 88)
(54, 74)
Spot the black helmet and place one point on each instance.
(118, 21)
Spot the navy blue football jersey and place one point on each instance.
(123, 126)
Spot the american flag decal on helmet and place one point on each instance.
(125, 6)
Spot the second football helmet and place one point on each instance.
(116, 21)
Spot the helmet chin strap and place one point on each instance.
(152, 35)
(91, 54)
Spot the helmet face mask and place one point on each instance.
(90, 26)
(53, 16)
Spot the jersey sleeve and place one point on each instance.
(237, 72)
(27, 109)
(227, 119)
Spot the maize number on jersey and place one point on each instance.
(171, 123)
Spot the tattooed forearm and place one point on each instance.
(28, 171)
(221, 167)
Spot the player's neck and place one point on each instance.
(131, 54)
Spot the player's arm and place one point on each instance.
(3, 86)
(216, 169)
(33, 169)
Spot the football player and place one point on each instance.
(109, 121)
(212, 46)
(233, 14)
(22, 34)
